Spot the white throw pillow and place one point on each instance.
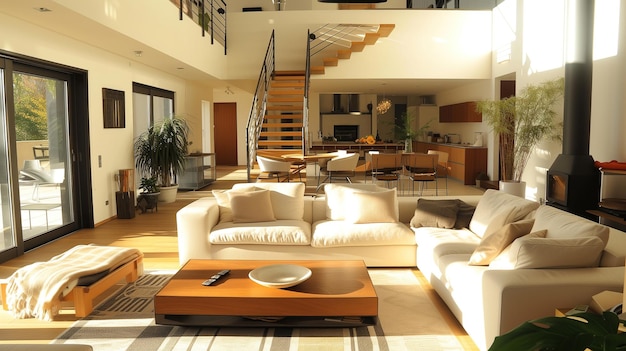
(491, 245)
(337, 201)
(287, 198)
(506, 260)
(533, 252)
(372, 207)
(223, 202)
(251, 206)
(561, 224)
(495, 209)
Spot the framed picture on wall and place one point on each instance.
(113, 108)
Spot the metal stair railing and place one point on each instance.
(305, 105)
(210, 15)
(259, 104)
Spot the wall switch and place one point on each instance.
(99, 161)
(106, 202)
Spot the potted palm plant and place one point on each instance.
(521, 122)
(160, 153)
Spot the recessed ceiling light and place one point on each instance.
(42, 9)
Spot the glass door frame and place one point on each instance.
(78, 134)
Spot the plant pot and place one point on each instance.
(147, 201)
(168, 193)
(513, 187)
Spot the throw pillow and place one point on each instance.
(464, 215)
(337, 198)
(496, 209)
(287, 198)
(252, 206)
(581, 252)
(490, 246)
(504, 260)
(223, 202)
(435, 213)
(372, 207)
(561, 224)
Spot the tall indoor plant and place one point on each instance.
(521, 122)
(160, 153)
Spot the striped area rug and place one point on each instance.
(407, 321)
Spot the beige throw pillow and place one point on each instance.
(372, 207)
(252, 206)
(435, 213)
(223, 202)
(533, 252)
(491, 245)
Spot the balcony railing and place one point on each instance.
(210, 15)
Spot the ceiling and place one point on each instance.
(112, 41)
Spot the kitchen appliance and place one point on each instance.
(478, 139)
(452, 139)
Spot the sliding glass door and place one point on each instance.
(41, 129)
(39, 161)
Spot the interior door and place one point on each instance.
(225, 133)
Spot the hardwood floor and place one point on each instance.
(155, 235)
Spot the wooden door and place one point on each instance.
(225, 133)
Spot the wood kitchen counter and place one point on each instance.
(465, 161)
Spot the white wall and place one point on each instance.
(414, 50)
(537, 54)
(106, 70)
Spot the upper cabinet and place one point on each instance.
(461, 112)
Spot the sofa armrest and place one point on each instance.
(194, 223)
(511, 297)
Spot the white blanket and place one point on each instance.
(36, 290)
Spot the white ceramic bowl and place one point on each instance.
(280, 275)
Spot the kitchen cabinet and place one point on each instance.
(461, 112)
(465, 162)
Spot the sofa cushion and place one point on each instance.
(372, 207)
(537, 252)
(279, 232)
(337, 198)
(496, 209)
(342, 233)
(561, 224)
(491, 245)
(287, 198)
(435, 213)
(251, 206)
(223, 202)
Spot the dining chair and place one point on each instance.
(443, 169)
(421, 168)
(386, 167)
(341, 166)
(274, 168)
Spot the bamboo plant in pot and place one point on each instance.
(521, 122)
(160, 153)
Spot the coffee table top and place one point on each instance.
(335, 288)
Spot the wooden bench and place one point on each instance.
(83, 296)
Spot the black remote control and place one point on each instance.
(215, 277)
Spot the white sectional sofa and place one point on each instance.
(512, 261)
(305, 228)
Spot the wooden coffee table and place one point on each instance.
(338, 293)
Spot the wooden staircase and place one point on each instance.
(356, 46)
(282, 123)
(281, 131)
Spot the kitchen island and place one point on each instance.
(356, 147)
(465, 161)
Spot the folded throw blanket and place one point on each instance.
(36, 290)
